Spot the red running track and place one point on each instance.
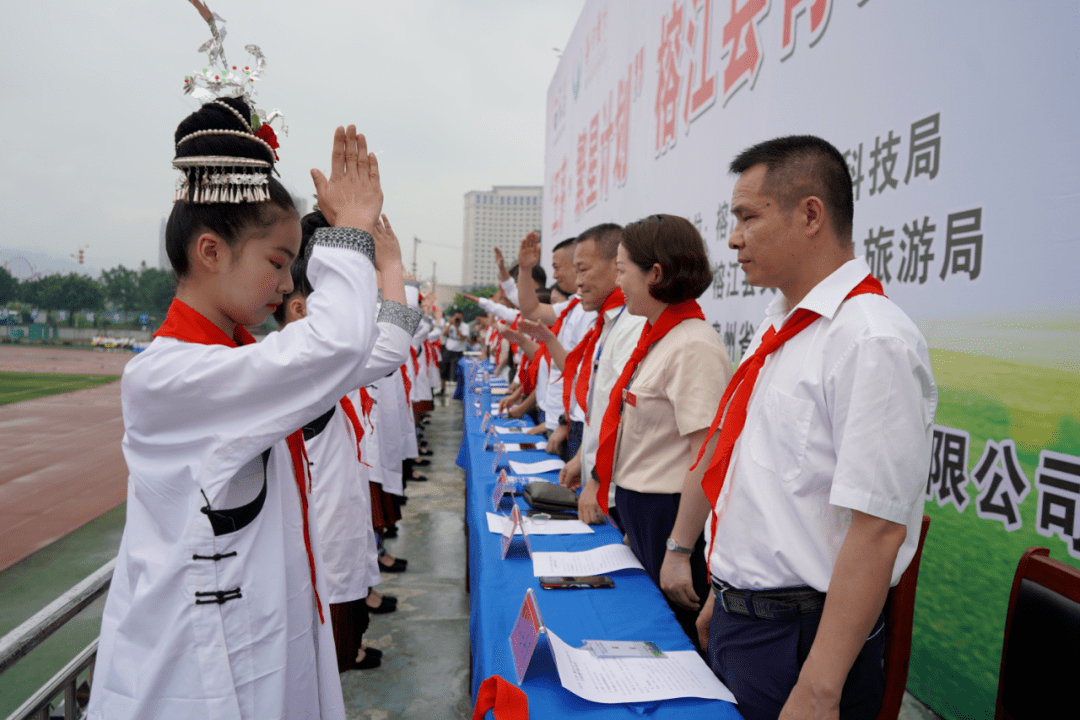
(61, 463)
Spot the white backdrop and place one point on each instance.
(959, 120)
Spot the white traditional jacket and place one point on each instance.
(212, 614)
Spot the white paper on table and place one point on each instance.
(551, 527)
(599, 560)
(535, 468)
(540, 444)
(618, 680)
(510, 430)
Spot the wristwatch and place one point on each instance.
(676, 547)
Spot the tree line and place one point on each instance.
(145, 289)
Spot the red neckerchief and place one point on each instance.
(741, 387)
(366, 403)
(188, 325)
(578, 365)
(358, 429)
(532, 370)
(415, 359)
(609, 427)
(407, 383)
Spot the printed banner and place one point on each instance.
(958, 122)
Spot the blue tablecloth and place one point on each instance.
(633, 610)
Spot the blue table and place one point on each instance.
(633, 610)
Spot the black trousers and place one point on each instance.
(573, 441)
(760, 660)
(647, 519)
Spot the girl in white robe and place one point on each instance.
(215, 610)
(339, 489)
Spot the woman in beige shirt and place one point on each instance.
(669, 396)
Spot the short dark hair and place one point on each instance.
(229, 221)
(568, 243)
(676, 245)
(607, 237)
(539, 275)
(301, 285)
(798, 166)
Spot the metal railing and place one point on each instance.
(20, 641)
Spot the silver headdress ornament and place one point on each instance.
(218, 179)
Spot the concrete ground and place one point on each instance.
(425, 669)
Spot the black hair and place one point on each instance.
(798, 166)
(607, 237)
(301, 285)
(676, 245)
(229, 221)
(567, 243)
(539, 275)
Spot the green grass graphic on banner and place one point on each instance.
(969, 562)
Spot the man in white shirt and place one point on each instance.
(597, 285)
(566, 432)
(823, 490)
(455, 335)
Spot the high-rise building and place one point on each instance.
(499, 217)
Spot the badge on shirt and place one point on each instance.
(630, 398)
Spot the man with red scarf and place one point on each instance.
(593, 366)
(815, 480)
(568, 322)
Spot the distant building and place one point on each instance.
(499, 217)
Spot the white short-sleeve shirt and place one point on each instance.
(841, 419)
(575, 325)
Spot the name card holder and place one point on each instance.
(485, 422)
(512, 523)
(526, 634)
(502, 489)
(500, 454)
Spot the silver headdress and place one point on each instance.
(220, 179)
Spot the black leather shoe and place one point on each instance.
(398, 566)
(388, 605)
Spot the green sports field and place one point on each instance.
(968, 565)
(16, 386)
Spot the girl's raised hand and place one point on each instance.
(387, 247)
(353, 196)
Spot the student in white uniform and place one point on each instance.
(339, 479)
(216, 608)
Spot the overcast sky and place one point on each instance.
(451, 92)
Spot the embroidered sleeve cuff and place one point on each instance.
(348, 238)
(398, 314)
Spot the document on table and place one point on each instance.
(535, 468)
(510, 430)
(539, 444)
(549, 527)
(600, 560)
(627, 679)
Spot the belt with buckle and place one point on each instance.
(781, 604)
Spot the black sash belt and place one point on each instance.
(780, 604)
